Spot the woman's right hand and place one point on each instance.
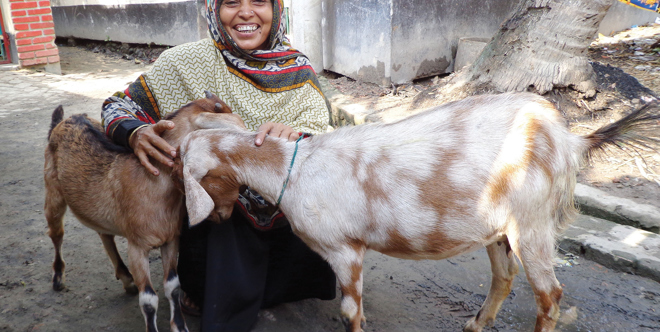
(147, 142)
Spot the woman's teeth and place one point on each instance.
(247, 28)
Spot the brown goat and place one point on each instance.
(108, 191)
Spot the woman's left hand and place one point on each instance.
(276, 130)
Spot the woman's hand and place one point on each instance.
(276, 130)
(147, 142)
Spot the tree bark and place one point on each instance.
(541, 47)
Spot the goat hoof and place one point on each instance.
(58, 286)
(132, 289)
(58, 283)
(472, 326)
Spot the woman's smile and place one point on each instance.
(248, 22)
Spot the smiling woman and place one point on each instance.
(248, 22)
(254, 259)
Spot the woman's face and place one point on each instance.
(248, 22)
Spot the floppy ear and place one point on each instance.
(198, 202)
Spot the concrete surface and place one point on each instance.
(616, 246)
(622, 16)
(468, 50)
(395, 41)
(131, 21)
(599, 204)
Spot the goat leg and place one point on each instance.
(138, 260)
(121, 271)
(347, 264)
(536, 257)
(172, 287)
(504, 268)
(54, 209)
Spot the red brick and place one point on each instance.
(53, 59)
(30, 48)
(39, 11)
(17, 13)
(43, 4)
(50, 45)
(51, 52)
(23, 5)
(27, 34)
(48, 32)
(21, 27)
(35, 26)
(28, 63)
(47, 18)
(32, 62)
(26, 19)
(23, 42)
(46, 39)
(24, 56)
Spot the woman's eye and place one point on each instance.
(231, 3)
(259, 2)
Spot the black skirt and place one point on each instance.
(234, 270)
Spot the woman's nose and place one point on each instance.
(246, 10)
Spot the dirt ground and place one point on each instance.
(399, 295)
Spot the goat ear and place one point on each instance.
(221, 107)
(198, 202)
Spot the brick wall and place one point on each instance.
(35, 32)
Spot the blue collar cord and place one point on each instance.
(290, 167)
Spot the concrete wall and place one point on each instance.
(131, 21)
(357, 38)
(396, 41)
(306, 17)
(622, 16)
(425, 33)
(379, 41)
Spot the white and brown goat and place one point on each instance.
(108, 191)
(495, 170)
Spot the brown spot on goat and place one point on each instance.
(548, 310)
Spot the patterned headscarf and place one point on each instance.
(279, 68)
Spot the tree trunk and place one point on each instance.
(541, 47)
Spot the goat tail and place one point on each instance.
(639, 129)
(57, 117)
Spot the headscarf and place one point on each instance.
(279, 68)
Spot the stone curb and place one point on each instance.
(619, 247)
(599, 204)
(9, 67)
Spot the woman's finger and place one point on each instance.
(264, 129)
(162, 151)
(293, 136)
(144, 160)
(154, 152)
(159, 128)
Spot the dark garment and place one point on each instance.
(247, 269)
